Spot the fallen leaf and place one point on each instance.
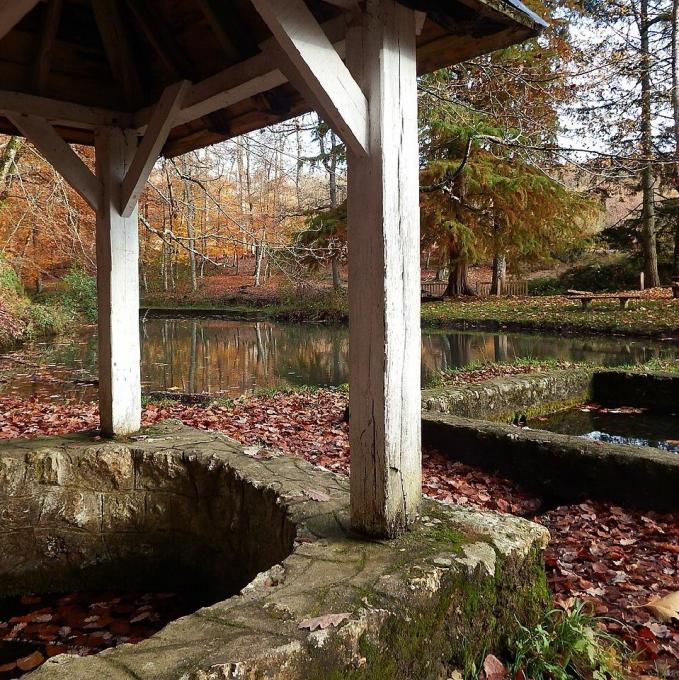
(494, 668)
(323, 622)
(28, 663)
(665, 609)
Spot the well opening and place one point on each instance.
(116, 520)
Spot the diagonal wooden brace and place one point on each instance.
(313, 65)
(69, 165)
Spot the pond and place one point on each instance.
(631, 426)
(233, 357)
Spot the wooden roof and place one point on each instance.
(119, 55)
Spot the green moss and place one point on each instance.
(542, 408)
(469, 617)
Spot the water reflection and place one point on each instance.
(234, 357)
(230, 358)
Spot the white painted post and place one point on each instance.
(117, 289)
(384, 276)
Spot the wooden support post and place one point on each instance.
(118, 288)
(384, 276)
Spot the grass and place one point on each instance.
(477, 371)
(652, 318)
(648, 317)
(568, 643)
(656, 365)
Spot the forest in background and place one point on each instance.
(555, 150)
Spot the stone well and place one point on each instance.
(264, 543)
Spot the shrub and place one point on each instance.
(9, 281)
(79, 294)
(46, 320)
(312, 303)
(607, 273)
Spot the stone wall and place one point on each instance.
(501, 399)
(333, 605)
(560, 467)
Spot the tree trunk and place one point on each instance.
(190, 232)
(499, 275)
(457, 279)
(7, 161)
(259, 256)
(336, 278)
(648, 237)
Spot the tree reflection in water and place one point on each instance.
(230, 358)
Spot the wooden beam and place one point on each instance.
(12, 12)
(115, 38)
(61, 113)
(314, 67)
(240, 82)
(117, 289)
(65, 161)
(231, 86)
(162, 121)
(43, 60)
(384, 276)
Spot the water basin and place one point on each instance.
(622, 425)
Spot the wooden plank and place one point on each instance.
(384, 277)
(115, 38)
(57, 152)
(312, 64)
(162, 121)
(162, 40)
(117, 289)
(221, 29)
(12, 12)
(61, 113)
(43, 60)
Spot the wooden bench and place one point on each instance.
(433, 291)
(587, 298)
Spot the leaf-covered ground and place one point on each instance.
(655, 315)
(618, 559)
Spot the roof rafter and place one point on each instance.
(118, 49)
(12, 12)
(43, 60)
